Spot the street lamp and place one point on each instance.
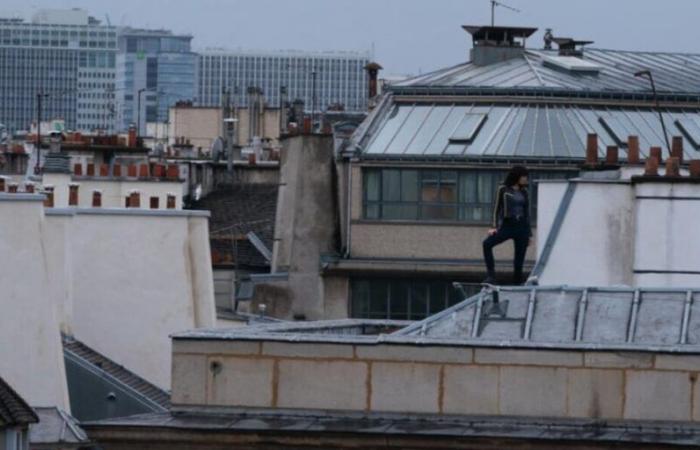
(138, 122)
(647, 74)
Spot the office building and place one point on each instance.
(155, 69)
(69, 58)
(320, 79)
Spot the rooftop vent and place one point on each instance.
(496, 44)
(569, 46)
(571, 64)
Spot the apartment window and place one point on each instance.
(402, 299)
(438, 195)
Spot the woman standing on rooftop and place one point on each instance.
(510, 220)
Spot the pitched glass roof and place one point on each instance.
(519, 130)
(606, 317)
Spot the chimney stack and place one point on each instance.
(143, 171)
(591, 149)
(28, 187)
(104, 170)
(12, 188)
(48, 192)
(131, 170)
(153, 202)
(117, 170)
(170, 203)
(372, 69)
(97, 198)
(694, 168)
(134, 199)
(655, 152)
(633, 150)
(2, 184)
(131, 142)
(91, 169)
(78, 169)
(677, 148)
(651, 167)
(673, 167)
(173, 172)
(73, 194)
(611, 155)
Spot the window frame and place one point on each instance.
(374, 210)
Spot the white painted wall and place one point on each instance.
(120, 280)
(31, 355)
(137, 277)
(595, 243)
(622, 233)
(666, 237)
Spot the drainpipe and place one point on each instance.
(348, 197)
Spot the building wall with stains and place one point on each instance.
(438, 379)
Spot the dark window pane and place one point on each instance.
(400, 212)
(378, 299)
(419, 301)
(360, 298)
(409, 185)
(372, 211)
(391, 185)
(399, 300)
(372, 185)
(437, 296)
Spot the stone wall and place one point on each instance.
(436, 379)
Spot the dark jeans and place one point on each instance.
(519, 232)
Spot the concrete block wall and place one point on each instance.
(436, 379)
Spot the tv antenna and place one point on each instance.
(495, 3)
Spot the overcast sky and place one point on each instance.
(409, 36)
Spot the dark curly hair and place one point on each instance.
(514, 175)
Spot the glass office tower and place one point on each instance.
(155, 69)
(336, 78)
(66, 56)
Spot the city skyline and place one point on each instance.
(425, 38)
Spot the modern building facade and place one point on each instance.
(155, 69)
(67, 58)
(320, 79)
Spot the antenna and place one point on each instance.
(495, 3)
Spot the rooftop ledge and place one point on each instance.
(125, 212)
(321, 332)
(21, 197)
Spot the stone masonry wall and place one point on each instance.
(437, 379)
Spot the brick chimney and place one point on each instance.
(48, 192)
(591, 149)
(97, 198)
(12, 187)
(611, 155)
(655, 152)
(78, 169)
(131, 141)
(73, 194)
(134, 199)
(171, 200)
(117, 170)
(104, 170)
(173, 172)
(372, 76)
(677, 148)
(633, 150)
(153, 202)
(673, 167)
(651, 167)
(694, 168)
(143, 171)
(28, 187)
(91, 169)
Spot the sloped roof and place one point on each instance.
(57, 427)
(673, 73)
(520, 130)
(610, 318)
(13, 409)
(237, 211)
(147, 392)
